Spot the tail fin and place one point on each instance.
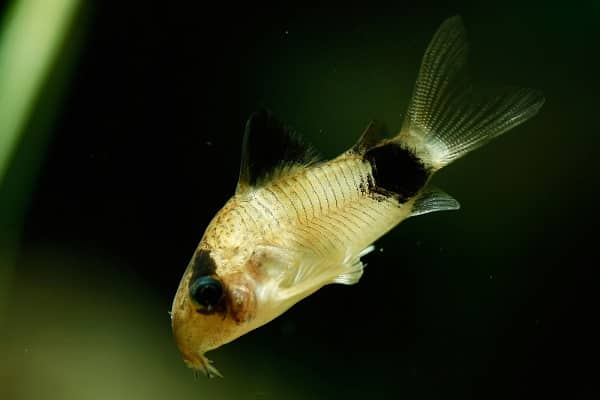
(448, 117)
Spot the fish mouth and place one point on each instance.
(202, 365)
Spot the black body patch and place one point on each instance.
(397, 170)
(269, 145)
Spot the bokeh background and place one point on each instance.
(133, 144)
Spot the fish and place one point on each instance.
(297, 223)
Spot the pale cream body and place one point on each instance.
(281, 239)
(298, 233)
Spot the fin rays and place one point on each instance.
(449, 117)
(270, 150)
(433, 199)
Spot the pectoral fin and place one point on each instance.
(299, 275)
(355, 270)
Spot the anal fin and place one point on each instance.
(433, 199)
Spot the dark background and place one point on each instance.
(493, 301)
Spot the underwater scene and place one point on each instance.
(258, 185)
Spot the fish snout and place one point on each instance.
(194, 336)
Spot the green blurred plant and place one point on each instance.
(33, 36)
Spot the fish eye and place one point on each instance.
(206, 292)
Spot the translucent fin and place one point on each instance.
(352, 276)
(355, 271)
(433, 199)
(269, 150)
(366, 251)
(447, 116)
(205, 367)
(299, 275)
(370, 137)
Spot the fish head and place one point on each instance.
(213, 306)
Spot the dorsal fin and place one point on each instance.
(370, 137)
(269, 150)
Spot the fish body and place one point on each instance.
(296, 224)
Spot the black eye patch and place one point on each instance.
(205, 289)
(203, 264)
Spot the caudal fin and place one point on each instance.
(449, 117)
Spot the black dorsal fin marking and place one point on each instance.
(397, 171)
(269, 149)
(370, 137)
